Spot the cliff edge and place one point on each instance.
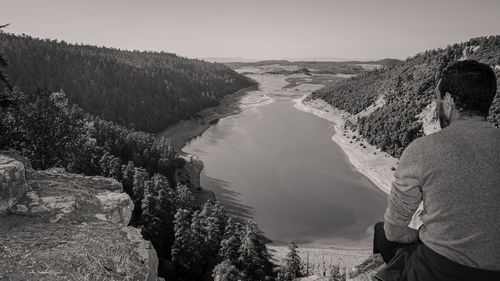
(56, 225)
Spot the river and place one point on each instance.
(278, 166)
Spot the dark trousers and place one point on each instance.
(414, 262)
(387, 249)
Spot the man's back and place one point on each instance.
(456, 174)
(459, 173)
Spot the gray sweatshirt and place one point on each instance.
(456, 172)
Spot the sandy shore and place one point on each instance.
(375, 164)
(184, 130)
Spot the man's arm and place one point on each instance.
(405, 196)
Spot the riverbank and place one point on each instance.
(370, 161)
(184, 130)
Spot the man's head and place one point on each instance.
(466, 87)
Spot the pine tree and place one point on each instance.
(128, 177)
(254, 257)
(230, 243)
(104, 163)
(291, 264)
(182, 248)
(5, 98)
(214, 217)
(207, 228)
(184, 198)
(199, 241)
(157, 214)
(196, 248)
(115, 168)
(140, 180)
(186, 250)
(140, 176)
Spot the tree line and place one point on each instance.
(407, 88)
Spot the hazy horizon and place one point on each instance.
(258, 30)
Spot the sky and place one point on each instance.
(258, 29)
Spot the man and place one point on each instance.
(456, 173)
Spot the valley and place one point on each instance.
(276, 163)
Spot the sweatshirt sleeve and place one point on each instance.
(405, 196)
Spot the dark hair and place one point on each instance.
(471, 84)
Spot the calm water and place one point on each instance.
(278, 165)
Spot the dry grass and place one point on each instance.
(322, 260)
(37, 251)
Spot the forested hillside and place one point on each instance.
(147, 91)
(407, 88)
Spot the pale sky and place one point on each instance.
(258, 29)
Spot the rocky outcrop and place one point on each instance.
(190, 173)
(12, 182)
(61, 196)
(145, 252)
(62, 226)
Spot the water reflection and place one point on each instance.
(228, 197)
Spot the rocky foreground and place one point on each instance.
(60, 226)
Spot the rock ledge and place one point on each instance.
(56, 225)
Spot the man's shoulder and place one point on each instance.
(425, 142)
(451, 138)
(432, 138)
(427, 145)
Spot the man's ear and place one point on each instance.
(445, 107)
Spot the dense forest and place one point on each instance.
(147, 91)
(407, 88)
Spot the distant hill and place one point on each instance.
(227, 59)
(320, 67)
(407, 88)
(143, 90)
